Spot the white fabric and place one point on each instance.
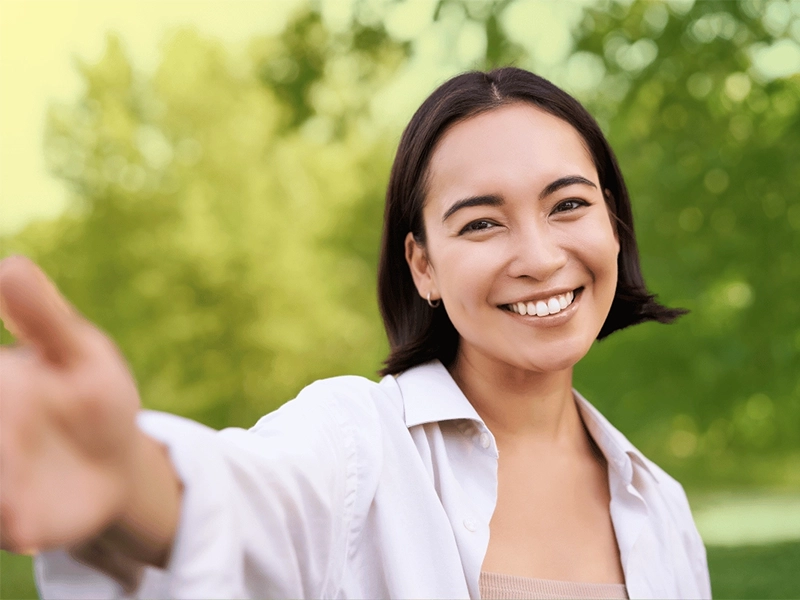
(358, 489)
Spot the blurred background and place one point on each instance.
(205, 181)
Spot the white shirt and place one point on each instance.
(357, 489)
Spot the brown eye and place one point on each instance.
(569, 205)
(479, 225)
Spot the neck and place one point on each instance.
(519, 405)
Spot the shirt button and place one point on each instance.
(470, 525)
(485, 441)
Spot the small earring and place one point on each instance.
(433, 303)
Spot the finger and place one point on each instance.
(35, 312)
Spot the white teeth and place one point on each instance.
(543, 308)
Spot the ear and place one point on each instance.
(421, 268)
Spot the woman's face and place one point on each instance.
(520, 245)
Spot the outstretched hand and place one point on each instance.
(69, 443)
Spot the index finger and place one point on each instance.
(36, 313)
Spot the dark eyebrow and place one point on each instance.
(488, 200)
(494, 200)
(564, 182)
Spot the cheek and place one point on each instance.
(600, 244)
(596, 249)
(465, 275)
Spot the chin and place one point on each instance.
(531, 355)
(551, 366)
(559, 359)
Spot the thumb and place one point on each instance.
(35, 312)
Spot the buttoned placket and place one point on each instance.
(478, 502)
(484, 439)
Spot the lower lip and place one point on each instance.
(555, 320)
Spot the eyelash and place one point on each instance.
(576, 201)
(559, 208)
(471, 227)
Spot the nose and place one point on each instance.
(537, 253)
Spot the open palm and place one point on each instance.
(68, 405)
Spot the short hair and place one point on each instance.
(418, 333)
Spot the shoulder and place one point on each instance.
(363, 416)
(348, 396)
(349, 388)
(351, 398)
(342, 419)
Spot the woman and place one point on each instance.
(471, 470)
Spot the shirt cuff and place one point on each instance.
(204, 562)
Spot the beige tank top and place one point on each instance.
(497, 586)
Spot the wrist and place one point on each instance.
(147, 526)
(145, 529)
(144, 532)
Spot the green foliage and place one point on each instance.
(203, 209)
(16, 577)
(755, 571)
(707, 144)
(227, 212)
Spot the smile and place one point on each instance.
(543, 307)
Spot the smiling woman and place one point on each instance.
(555, 133)
(529, 246)
(473, 469)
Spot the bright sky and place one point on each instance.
(39, 40)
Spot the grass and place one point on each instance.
(755, 571)
(16, 577)
(737, 572)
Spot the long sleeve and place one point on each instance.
(266, 512)
(365, 490)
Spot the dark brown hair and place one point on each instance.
(418, 333)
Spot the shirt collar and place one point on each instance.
(431, 395)
(617, 449)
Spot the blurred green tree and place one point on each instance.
(227, 216)
(204, 198)
(708, 141)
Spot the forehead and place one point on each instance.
(518, 145)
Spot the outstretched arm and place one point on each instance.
(75, 470)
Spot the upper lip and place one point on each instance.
(546, 295)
